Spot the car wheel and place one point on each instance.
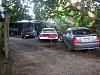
(40, 40)
(24, 37)
(68, 49)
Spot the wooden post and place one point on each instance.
(6, 35)
(2, 45)
(4, 32)
(0, 36)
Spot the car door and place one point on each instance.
(64, 37)
(67, 38)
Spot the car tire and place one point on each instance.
(40, 40)
(67, 49)
(24, 37)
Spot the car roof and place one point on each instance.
(77, 28)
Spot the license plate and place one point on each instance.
(51, 37)
(26, 35)
(86, 40)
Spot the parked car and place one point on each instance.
(80, 38)
(48, 33)
(28, 33)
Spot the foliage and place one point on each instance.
(58, 8)
(15, 9)
(44, 9)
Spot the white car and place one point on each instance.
(48, 33)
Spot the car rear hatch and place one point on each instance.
(87, 38)
(50, 33)
(84, 36)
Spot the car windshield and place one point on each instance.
(48, 31)
(81, 32)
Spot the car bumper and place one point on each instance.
(47, 38)
(82, 46)
(29, 35)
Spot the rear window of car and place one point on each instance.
(81, 32)
(48, 31)
(29, 30)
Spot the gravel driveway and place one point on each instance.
(31, 57)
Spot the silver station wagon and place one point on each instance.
(80, 38)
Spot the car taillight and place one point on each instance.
(97, 38)
(48, 35)
(41, 35)
(74, 40)
(55, 35)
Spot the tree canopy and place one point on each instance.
(16, 10)
(82, 11)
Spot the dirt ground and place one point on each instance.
(31, 57)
